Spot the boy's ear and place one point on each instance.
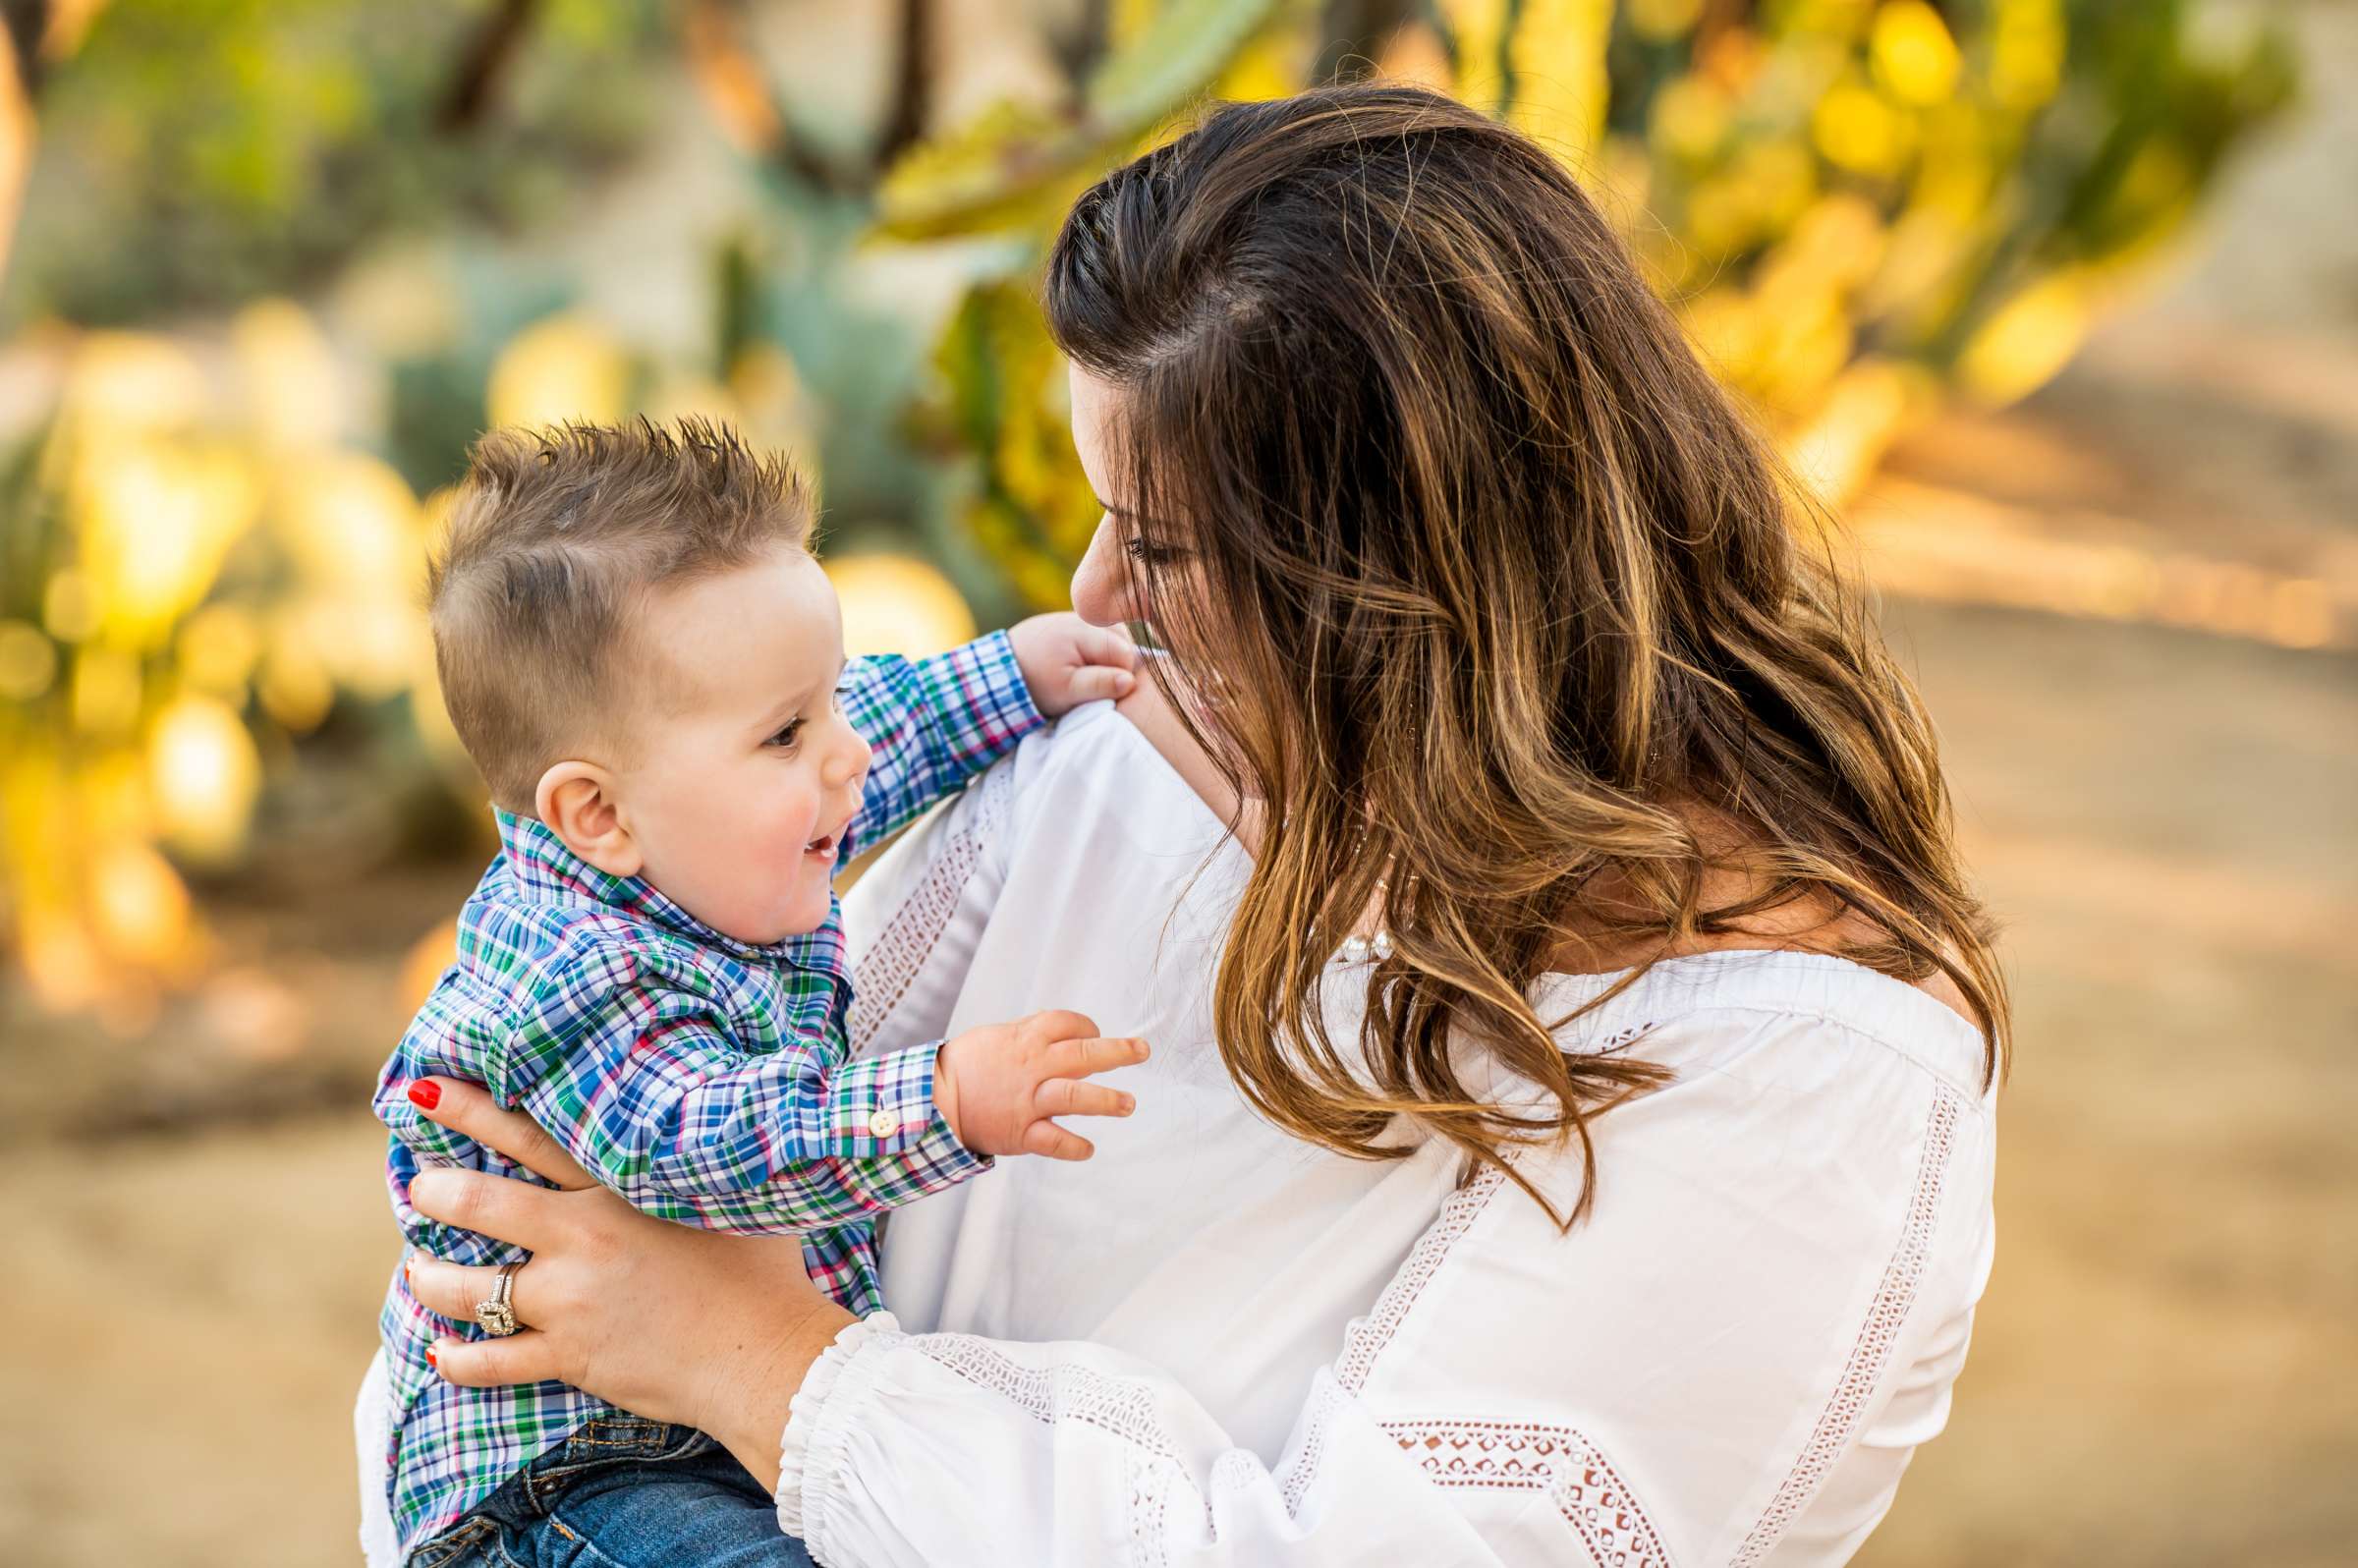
(577, 802)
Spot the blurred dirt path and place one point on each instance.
(185, 1320)
(2163, 1372)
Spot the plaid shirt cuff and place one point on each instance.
(933, 724)
(977, 699)
(881, 1109)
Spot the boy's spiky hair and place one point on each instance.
(556, 536)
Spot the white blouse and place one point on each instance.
(1214, 1344)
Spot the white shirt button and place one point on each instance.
(884, 1124)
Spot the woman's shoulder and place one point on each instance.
(1094, 776)
(1838, 1089)
(1797, 1226)
(1823, 1126)
(1707, 1012)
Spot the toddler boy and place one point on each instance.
(646, 662)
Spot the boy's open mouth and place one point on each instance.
(823, 847)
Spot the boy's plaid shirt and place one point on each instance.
(701, 1078)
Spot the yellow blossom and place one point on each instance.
(898, 604)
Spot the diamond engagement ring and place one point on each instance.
(497, 1317)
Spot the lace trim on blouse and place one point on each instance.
(892, 962)
(1870, 1352)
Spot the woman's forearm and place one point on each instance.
(752, 1389)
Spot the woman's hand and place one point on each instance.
(666, 1321)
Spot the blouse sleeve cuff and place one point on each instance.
(811, 1445)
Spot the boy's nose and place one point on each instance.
(849, 762)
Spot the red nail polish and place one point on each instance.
(429, 1358)
(425, 1093)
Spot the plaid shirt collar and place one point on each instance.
(544, 871)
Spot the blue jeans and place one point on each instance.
(621, 1492)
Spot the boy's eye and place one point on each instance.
(789, 735)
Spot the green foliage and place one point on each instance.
(1858, 205)
(1996, 145)
(198, 152)
(199, 571)
(1032, 509)
(1019, 165)
(1186, 44)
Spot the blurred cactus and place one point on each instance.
(1031, 508)
(196, 567)
(846, 274)
(1024, 163)
(1845, 195)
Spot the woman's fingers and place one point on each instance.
(468, 1108)
(1052, 1140)
(1077, 1058)
(503, 1207)
(1063, 1096)
(453, 1290)
(521, 1358)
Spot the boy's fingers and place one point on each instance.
(1077, 1058)
(1093, 682)
(1108, 645)
(468, 1108)
(523, 1356)
(1053, 1142)
(1060, 1023)
(1063, 1096)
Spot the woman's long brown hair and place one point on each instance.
(1511, 610)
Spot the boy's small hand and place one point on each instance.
(998, 1086)
(1066, 661)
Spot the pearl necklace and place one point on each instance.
(1363, 949)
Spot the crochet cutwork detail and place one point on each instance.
(1871, 1350)
(1067, 1392)
(1368, 1336)
(1305, 1468)
(1149, 1500)
(1121, 1405)
(1619, 1040)
(893, 960)
(1528, 1456)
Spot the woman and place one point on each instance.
(1612, 1026)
